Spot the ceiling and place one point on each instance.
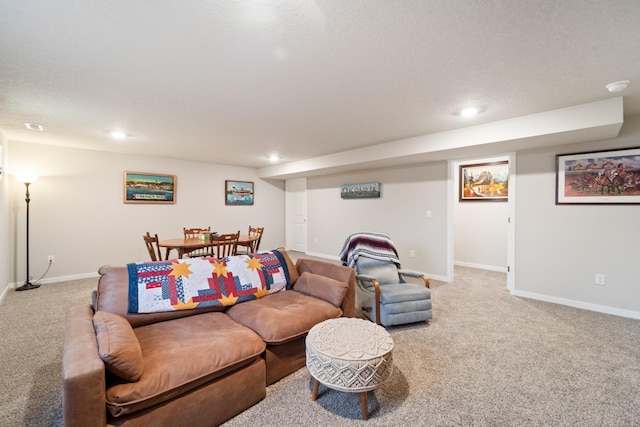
(233, 82)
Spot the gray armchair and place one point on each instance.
(382, 291)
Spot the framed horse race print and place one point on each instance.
(598, 177)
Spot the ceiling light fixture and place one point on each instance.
(618, 86)
(469, 111)
(116, 134)
(274, 158)
(32, 126)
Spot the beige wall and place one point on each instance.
(77, 210)
(407, 194)
(560, 248)
(78, 216)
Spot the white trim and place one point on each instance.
(481, 266)
(60, 279)
(579, 304)
(451, 190)
(511, 225)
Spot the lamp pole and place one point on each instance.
(27, 284)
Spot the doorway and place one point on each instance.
(296, 214)
(482, 234)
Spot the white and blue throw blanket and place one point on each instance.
(205, 282)
(377, 246)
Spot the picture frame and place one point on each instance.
(238, 193)
(484, 182)
(610, 177)
(369, 190)
(149, 188)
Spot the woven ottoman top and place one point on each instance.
(349, 354)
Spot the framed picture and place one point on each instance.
(487, 182)
(360, 191)
(598, 177)
(140, 187)
(238, 193)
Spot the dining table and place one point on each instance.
(186, 244)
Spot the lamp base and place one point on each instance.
(27, 286)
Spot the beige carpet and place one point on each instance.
(486, 359)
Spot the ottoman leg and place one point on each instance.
(363, 405)
(314, 393)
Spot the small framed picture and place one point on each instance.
(360, 191)
(488, 182)
(141, 187)
(600, 177)
(238, 193)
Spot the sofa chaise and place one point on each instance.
(191, 367)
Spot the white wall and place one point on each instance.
(406, 195)
(5, 228)
(480, 233)
(77, 211)
(559, 248)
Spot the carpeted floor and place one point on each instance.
(486, 359)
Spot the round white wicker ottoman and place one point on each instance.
(352, 355)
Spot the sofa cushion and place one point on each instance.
(284, 316)
(181, 355)
(322, 287)
(118, 346)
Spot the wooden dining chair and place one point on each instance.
(196, 232)
(225, 244)
(253, 246)
(154, 251)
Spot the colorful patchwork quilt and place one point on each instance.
(205, 282)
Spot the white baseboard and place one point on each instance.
(60, 279)
(481, 266)
(579, 304)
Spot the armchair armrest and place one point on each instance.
(83, 372)
(376, 290)
(416, 275)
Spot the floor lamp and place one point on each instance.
(27, 283)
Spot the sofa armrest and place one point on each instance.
(337, 272)
(83, 372)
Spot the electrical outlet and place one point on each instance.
(51, 259)
(412, 253)
(599, 279)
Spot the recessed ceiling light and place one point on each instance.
(469, 111)
(618, 86)
(274, 158)
(116, 134)
(32, 126)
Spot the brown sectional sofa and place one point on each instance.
(195, 367)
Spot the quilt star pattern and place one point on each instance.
(184, 284)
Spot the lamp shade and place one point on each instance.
(27, 177)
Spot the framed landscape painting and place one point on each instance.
(238, 193)
(598, 177)
(487, 182)
(141, 187)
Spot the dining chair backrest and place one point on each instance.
(257, 233)
(154, 251)
(225, 244)
(195, 232)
